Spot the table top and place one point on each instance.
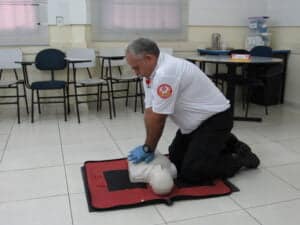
(226, 52)
(228, 60)
(25, 62)
(115, 57)
(77, 60)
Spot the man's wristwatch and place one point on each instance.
(147, 149)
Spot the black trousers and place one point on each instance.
(205, 154)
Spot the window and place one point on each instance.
(129, 19)
(23, 22)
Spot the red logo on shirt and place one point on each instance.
(164, 91)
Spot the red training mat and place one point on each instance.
(100, 197)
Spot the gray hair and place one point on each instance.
(142, 46)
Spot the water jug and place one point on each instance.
(216, 41)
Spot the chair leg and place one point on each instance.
(38, 100)
(25, 97)
(141, 95)
(127, 94)
(68, 98)
(32, 105)
(98, 96)
(120, 70)
(18, 103)
(266, 110)
(266, 98)
(222, 86)
(100, 99)
(113, 99)
(65, 106)
(77, 103)
(136, 94)
(109, 100)
(244, 96)
(248, 97)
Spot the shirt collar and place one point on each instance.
(159, 61)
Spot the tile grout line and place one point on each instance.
(273, 174)
(203, 216)
(65, 170)
(273, 203)
(113, 139)
(30, 168)
(8, 137)
(161, 216)
(245, 210)
(30, 199)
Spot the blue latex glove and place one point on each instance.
(138, 155)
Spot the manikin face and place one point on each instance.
(142, 65)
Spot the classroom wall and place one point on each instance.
(76, 32)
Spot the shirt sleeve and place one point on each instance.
(164, 92)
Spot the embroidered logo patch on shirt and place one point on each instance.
(164, 91)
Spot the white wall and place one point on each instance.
(224, 13)
(201, 12)
(204, 18)
(72, 11)
(284, 13)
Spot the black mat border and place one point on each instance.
(168, 202)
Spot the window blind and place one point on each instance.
(23, 22)
(117, 20)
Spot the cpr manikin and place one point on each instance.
(159, 173)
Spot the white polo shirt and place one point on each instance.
(181, 90)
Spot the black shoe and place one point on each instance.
(231, 144)
(246, 157)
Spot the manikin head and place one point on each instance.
(142, 55)
(160, 180)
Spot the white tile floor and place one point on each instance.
(41, 184)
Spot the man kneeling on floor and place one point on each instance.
(204, 147)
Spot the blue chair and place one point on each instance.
(262, 51)
(48, 60)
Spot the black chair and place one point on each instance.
(48, 60)
(264, 73)
(246, 81)
(221, 78)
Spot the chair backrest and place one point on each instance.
(263, 51)
(113, 52)
(50, 59)
(167, 50)
(239, 51)
(8, 57)
(82, 53)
